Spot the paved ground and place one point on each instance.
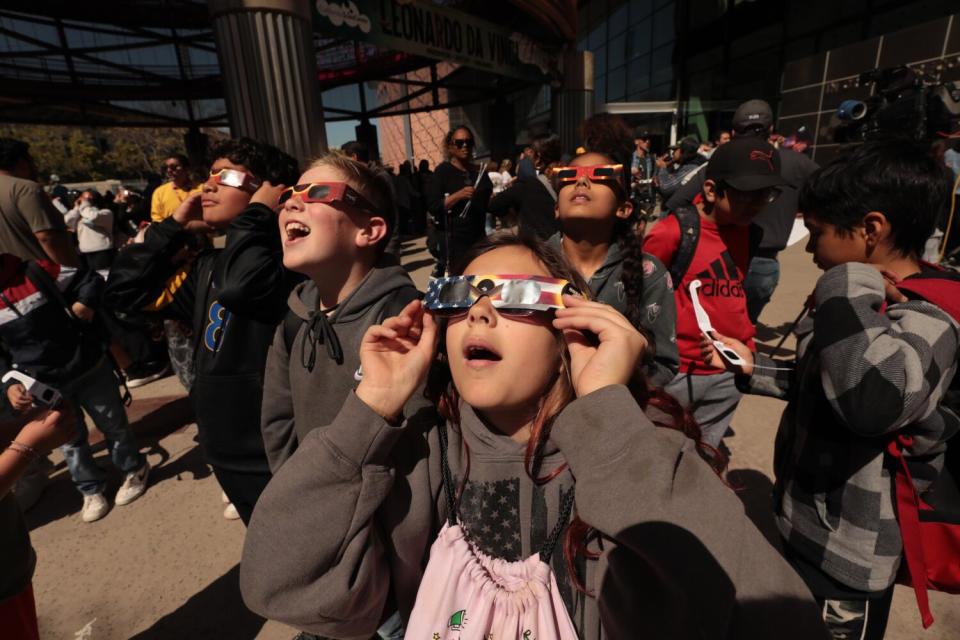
(165, 567)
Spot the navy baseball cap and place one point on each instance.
(746, 164)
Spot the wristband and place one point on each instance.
(23, 449)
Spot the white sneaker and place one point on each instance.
(134, 484)
(230, 513)
(94, 507)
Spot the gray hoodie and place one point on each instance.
(306, 387)
(342, 533)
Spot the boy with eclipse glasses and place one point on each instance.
(232, 297)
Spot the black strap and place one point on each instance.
(689, 220)
(566, 502)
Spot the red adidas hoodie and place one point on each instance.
(720, 262)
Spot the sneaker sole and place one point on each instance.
(139, 382)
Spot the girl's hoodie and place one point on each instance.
(341, 536)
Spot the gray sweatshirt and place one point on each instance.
(298, 397)
(342, 534)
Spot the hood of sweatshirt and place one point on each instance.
(375, 286)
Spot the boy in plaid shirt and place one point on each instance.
(871, 362)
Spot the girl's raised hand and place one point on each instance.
(395, 357)
(614, 360)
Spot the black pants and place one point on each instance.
(856, 619)
(242, 488)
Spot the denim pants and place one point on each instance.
(759, 284)
(97, 391)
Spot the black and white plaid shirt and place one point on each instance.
(861, 374)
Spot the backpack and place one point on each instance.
(930, 524)
(400, 299)
(688, 218)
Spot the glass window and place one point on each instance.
(600, 60)
(662, 3)
(600, 90)
(616, 84)
(662, 65)
(617, 51)
(663, 27)
(639, 43)
(598, 36)
(618, 20)
(638, 75)
(640, 9)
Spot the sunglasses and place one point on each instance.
(234, 178)
(512, 295)
(596, 173)
(327, 192)
(463, 142)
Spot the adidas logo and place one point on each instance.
(722, 278)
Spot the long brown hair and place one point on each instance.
(442, 392)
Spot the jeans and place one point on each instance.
(98, 393)
(759, 284)
(712, 400)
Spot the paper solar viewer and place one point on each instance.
(703, 321)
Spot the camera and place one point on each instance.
(904, 102)
(43, 395)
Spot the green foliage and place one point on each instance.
(79, 154)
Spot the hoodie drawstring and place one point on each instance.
(319, 331)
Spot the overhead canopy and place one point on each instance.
(154, 62)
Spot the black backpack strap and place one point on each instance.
(689, 220)
(756, 237)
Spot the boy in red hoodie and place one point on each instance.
(710, 242)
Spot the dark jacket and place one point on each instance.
(36, 334)
(233, 298)
(534, 204)
(346, 525)
(304, 386)
(448, 179)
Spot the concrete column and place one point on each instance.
(269, 70)
(573, 102)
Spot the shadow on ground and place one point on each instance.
(217, 611)
(416, 264)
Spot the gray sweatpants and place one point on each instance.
(711, 399)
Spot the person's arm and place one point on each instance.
(679, 532)
(323, 569)
(145, 279)
(660, 319)
(688, 191)
(43, 432)
(669, 181)
(47, 225)
(876, 366)
(248, 275)
(507, 199)
(276, 413)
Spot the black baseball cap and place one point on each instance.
(752, 114)
(746, 164)
(687, 145)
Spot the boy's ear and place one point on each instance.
(372, 232)
(625, 209)
(876, 229)
(710, 191)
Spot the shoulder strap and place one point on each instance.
(689, 221)
(546, 183)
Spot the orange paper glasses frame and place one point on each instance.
(328, 192)
(596, 173)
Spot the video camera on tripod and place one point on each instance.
(905, 102)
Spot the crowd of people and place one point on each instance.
(534, 446)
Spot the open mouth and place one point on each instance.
(580, 196)
(479, 354)
(296, 230)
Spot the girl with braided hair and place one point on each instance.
(598, 236)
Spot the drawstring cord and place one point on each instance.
(319, 331)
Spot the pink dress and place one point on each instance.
(467, 595)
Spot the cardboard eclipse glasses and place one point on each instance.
(236, 179)
(596, 173)
(509, 294)
(327, 192)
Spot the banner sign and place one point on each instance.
(423, 28)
